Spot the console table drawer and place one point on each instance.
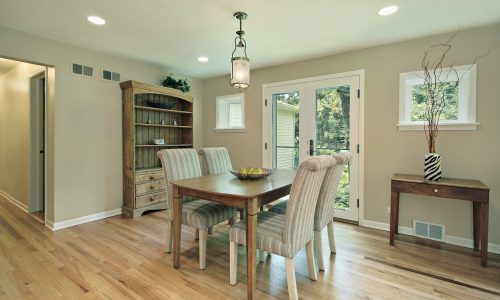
(149, 187)
(438, 190)
(150, 199)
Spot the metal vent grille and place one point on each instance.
(110, 76)
(81, 70)
(428, 230)
(87, 71)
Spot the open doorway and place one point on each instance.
(23, 134)
(37, 145)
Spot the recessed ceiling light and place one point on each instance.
(388, 10)
(202, 59)
(96, 20)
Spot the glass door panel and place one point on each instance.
(332, 132)
(285, 130)
(336, 110)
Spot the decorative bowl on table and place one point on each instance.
(252, 173)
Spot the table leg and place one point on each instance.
(177, 224)
(251, 225)
(394, 216)
(484, 233)
(476, 220)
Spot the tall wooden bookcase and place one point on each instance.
(151, 112)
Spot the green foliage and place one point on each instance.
(342, 198)
(419, 102)
(179, 84)
(332, 131)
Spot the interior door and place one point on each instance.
(315, 117)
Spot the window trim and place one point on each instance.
(467, 111)
(218, 101)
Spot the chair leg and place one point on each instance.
(331, 237)
(197, 234)
(319, 250)
(311, 265)
(169, 236)
(202, 245)
(262, 255)
(233, 262)
(290, 279)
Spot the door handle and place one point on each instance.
(311, 147)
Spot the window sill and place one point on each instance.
(444, 127)
(229, 130)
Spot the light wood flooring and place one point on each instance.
(120, 258)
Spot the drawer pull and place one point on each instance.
(436, 190)
(151, 187)
(151, 177)
(151, 199)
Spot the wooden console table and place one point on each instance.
(460, 189)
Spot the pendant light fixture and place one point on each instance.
(240, 65)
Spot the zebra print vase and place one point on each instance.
(432, 166)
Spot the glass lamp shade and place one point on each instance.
(240, 72)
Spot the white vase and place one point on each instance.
(432, 166)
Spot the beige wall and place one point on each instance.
(15, 131)
(87, 122)
(466, 154)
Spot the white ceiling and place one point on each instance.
(6, 65)
(173, 33)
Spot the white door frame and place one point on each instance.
(361, 139)
(34, 150)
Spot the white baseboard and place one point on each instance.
(14, 201)
(84, 219)
(450, 239)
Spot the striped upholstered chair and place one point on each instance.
(286, 235)
(325, 208)
(200, 214)
(216, 159)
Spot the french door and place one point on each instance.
(315, 116)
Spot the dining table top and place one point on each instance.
(228, 184)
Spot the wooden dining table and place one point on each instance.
(227, 189)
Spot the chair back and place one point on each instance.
(217, 160)
(326, 200)
(303, 198)
(178, 164)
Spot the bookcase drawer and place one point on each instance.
(149, 199)
(148, 176)
(150, 187)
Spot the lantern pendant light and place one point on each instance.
(240, 65)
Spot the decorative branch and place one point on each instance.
(434, 86)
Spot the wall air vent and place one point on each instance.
(110, 76)
(82, 70)
(428, 230)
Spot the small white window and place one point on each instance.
(230, 113)
(460, 110)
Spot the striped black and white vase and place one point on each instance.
(432, 166)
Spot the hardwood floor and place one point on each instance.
(118, 258)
